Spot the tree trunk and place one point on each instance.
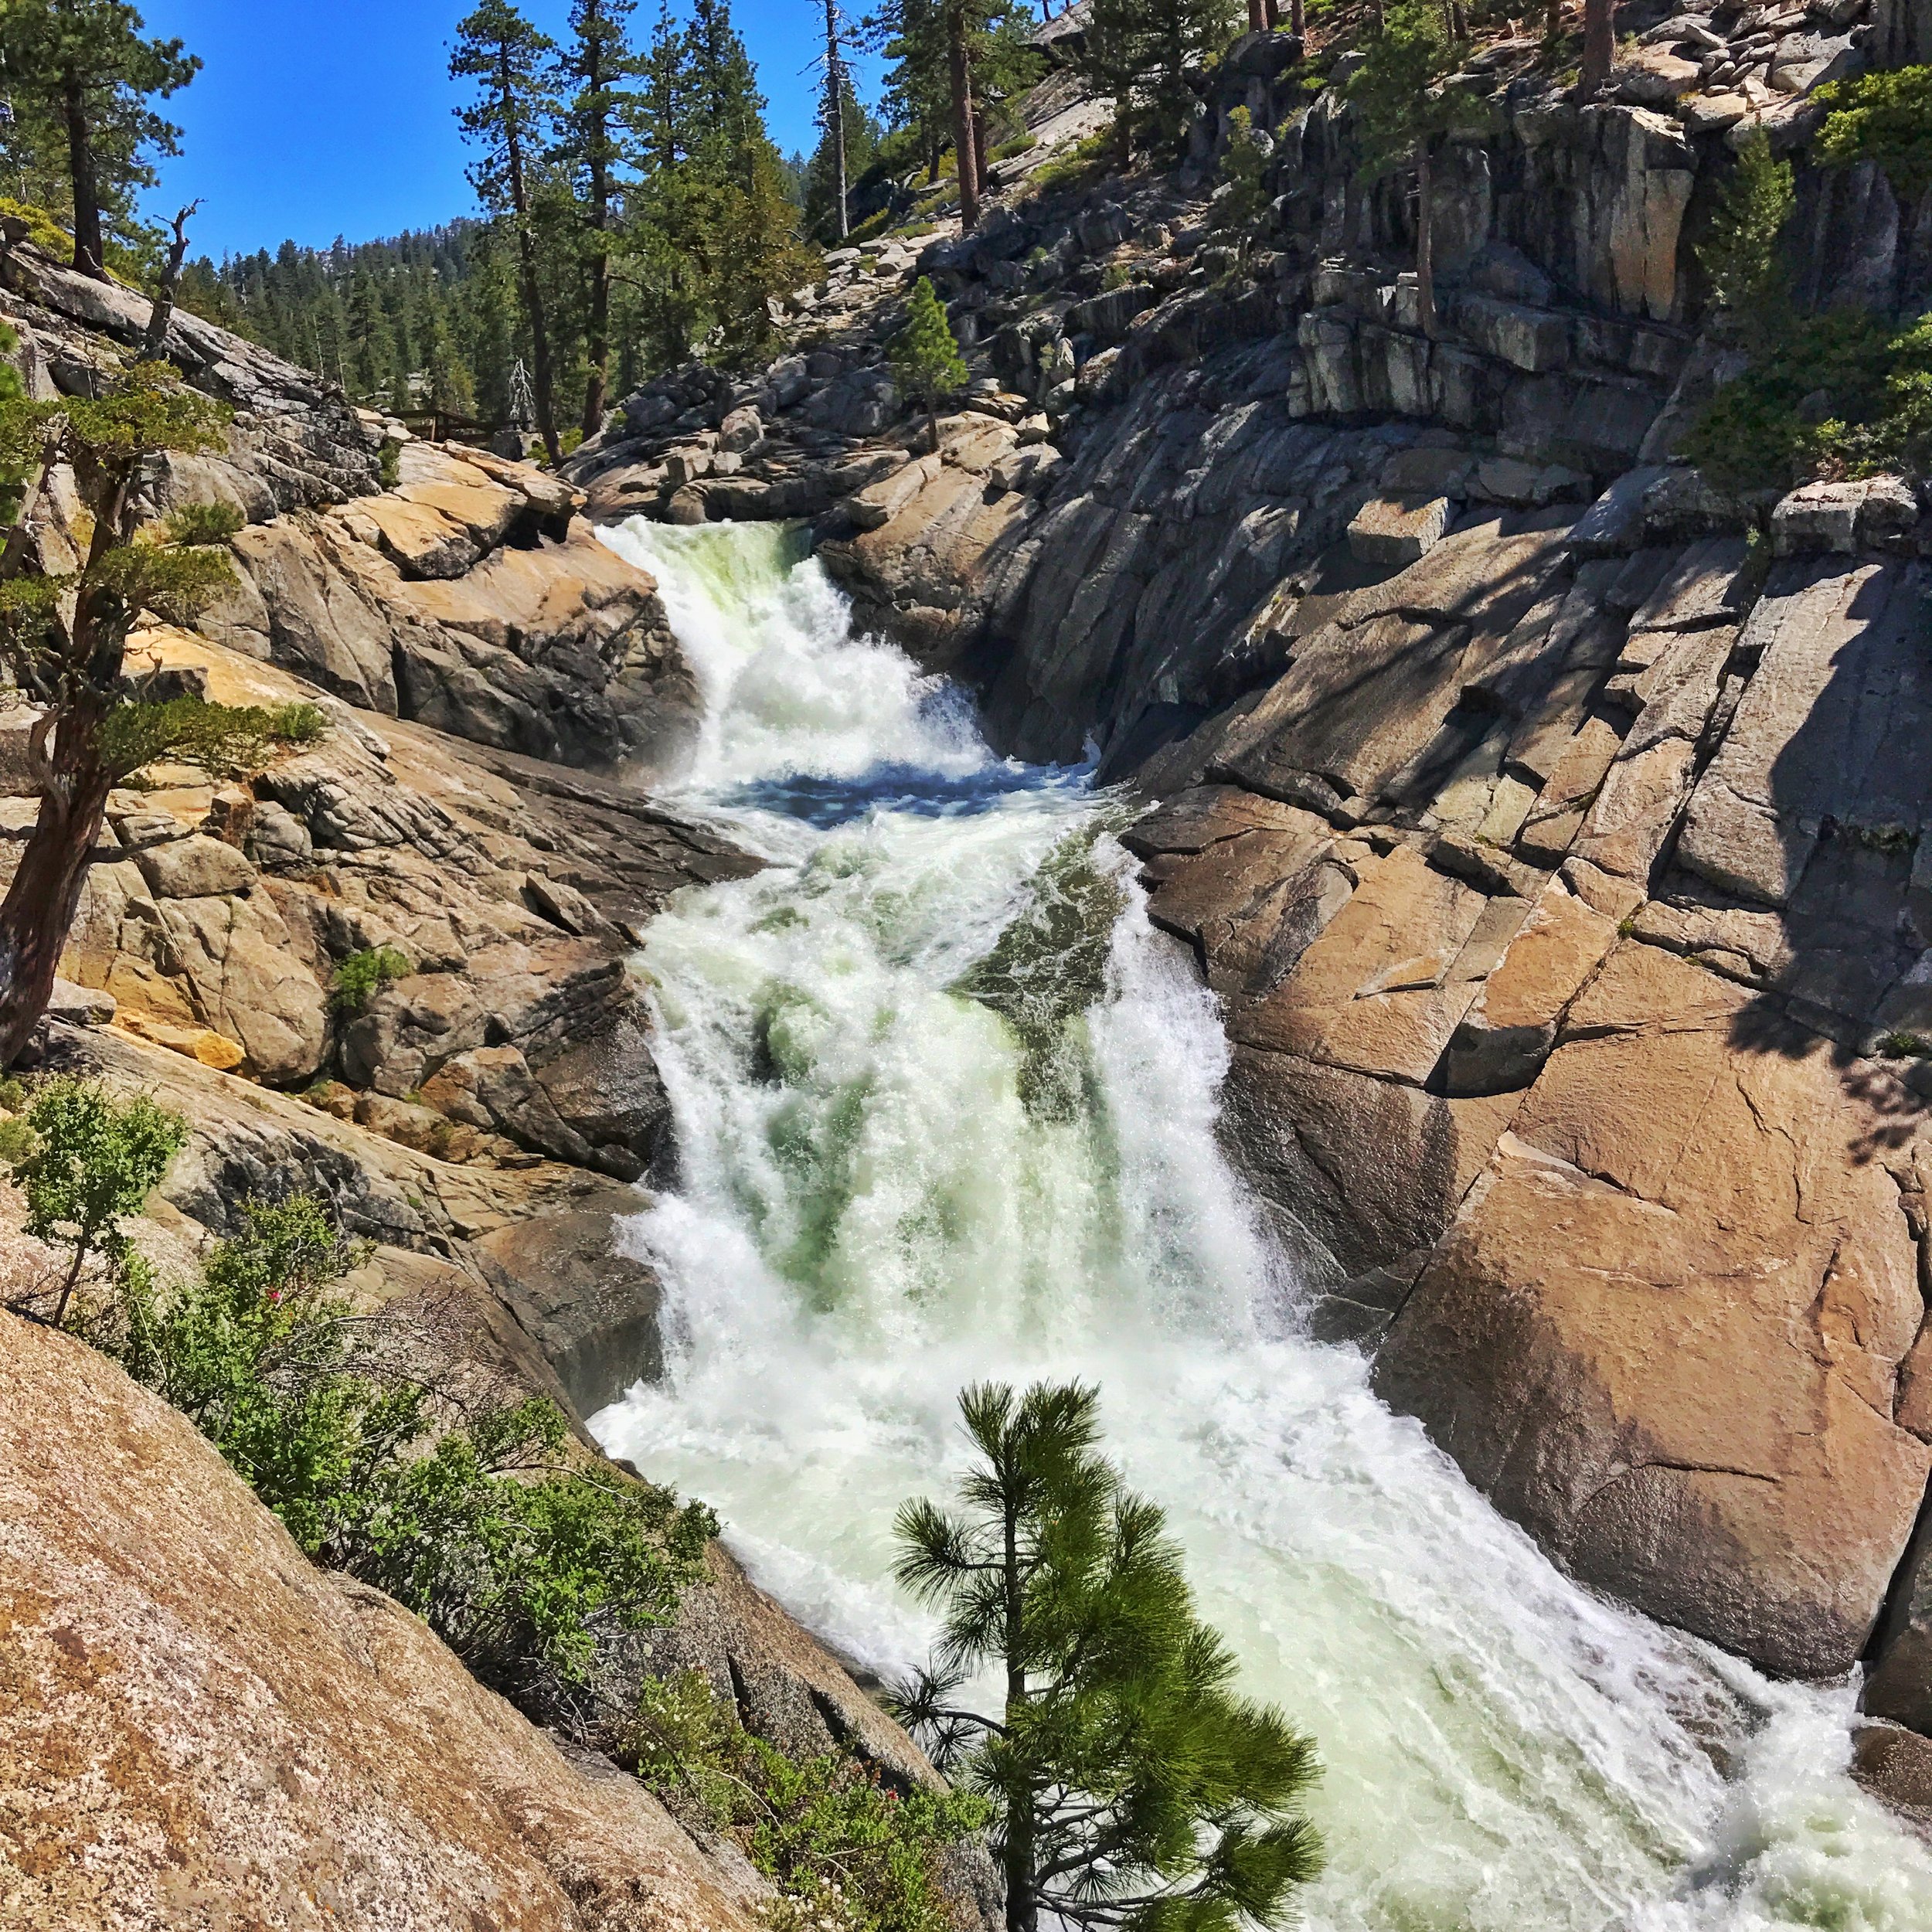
(88, 256)
(1258, 16)
(597, 324)
(835, 115)
(1298, 19)
(39, 910)
(963, 147)
(1552, 20)
(1022, 1906)
(162, 313)
(541, 379)
(1425, 240)
(982, 173)
(1599, 44)
(1271, 14)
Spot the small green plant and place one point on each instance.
(362, 975)
(1905, 1047)
(1243, 172)
(389, 463)
(1010, 150)
(1116, 275)
(90, 1162)
(847, 1854)
(1885, 118)
(925, 357)
(202, 523)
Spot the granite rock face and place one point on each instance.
(201, 1722)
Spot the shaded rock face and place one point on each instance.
(200, 1722)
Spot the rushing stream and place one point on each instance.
(945, 1106)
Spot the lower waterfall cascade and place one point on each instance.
(945, 1104)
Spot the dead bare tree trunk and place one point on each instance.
(1425, 238)
(155, 341)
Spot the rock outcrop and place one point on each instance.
(468, 595)
(200, 1726)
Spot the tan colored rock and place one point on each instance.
(424, 540)
(202, 1726)
(1376, 991)
(199, 1043)
(193, 868)
(1398, 530)
(1664, 1330)
(1509, 1028)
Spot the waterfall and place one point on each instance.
(945, 1106)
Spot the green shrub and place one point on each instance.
(475, 1520)
(846, 1854)
(200, 523)
(1008, 150)
(1885, 118)
(362, 975)
(1085, 162)
(1845, 393)
(86, 1163)
(389, 463)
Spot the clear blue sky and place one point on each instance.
(316, 118)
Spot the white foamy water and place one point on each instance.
(867, 1215)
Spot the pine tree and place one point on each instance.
(925, 357)
(1739, 248)
(64, 640)
(1141, 53)
(510, 120)
(1402, 108)
(83, 64)
(593, 71)
(1137, 1792)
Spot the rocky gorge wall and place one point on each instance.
(1550, 824)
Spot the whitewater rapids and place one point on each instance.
(945, 1104)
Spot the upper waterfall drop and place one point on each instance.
(946, 1105)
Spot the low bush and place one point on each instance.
(518, 1557)
(847, 1854)
(201, 523)
(1845, 393)
(362, 975)
(86, 1162)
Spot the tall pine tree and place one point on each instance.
(511, 119)
(1136, 1791)
(595, 70)
(84, 66)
